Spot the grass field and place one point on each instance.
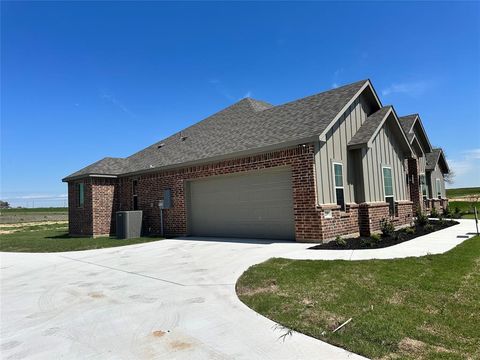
(461, 192)
(413, 308)
(465, 207)
(54, 238)
(49, 210)
(12, 216)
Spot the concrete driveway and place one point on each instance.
(171, 299)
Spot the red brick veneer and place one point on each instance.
(371, 215)
(340, 223)
(80, 219)
(108, 198)
(413, 174)
(105, 196)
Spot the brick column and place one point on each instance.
(413, 174)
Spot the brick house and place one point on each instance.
(335, 163)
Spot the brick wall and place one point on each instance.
(404, 211)
(104, 206)
(340, 223)
(438, 204)
(371, 215)
(80, 219)
(103, 197)
(413, 174)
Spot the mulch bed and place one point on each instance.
(399, 236)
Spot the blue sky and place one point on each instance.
(85, 80)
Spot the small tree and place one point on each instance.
(4, 204)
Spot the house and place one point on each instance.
(334, 163)
(431, 167)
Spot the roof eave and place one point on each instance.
(82, 176)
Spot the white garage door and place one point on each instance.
(253, 205)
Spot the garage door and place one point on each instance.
(252, 205)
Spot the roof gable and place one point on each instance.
(372, 125)
(413, 127)
(436, 156)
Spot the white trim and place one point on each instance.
(335, 187)
(423, 186)
(438, 188)
(383, 182)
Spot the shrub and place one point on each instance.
(421, 219)
(397, 235)
(434, 213)
(387, 227)
(375, 238)
(441, 220)
(447, 212)
(410, 230)
(340, 241)
(429, 227)
(370, 241)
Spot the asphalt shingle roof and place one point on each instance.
(407, 122)
(369, 127)
(432, 159)
(246, 125)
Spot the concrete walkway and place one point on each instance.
(172, 299)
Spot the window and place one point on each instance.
(423, 186)
(135, 196)
(388, 188)
(338, 184)
(438, 188)
(80, 190)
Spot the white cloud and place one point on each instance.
(36, 196)
(335, 77)
(248, 94)
(466, 169)
(414, 88)
(113, 100)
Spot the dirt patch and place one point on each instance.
(411, 346)
(12, 228)
(272, 288)
(96, 295)
(180, 345)
(158, 333)
(397, 298)
(33, 224)
(5, 232)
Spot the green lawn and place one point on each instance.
(453, 193)
(18, 211)
(466, 208)
(54, 238)
(414, 308)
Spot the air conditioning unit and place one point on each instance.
(129, 224)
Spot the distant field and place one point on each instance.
(48, 210)
(461, 192)
(10, 216)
